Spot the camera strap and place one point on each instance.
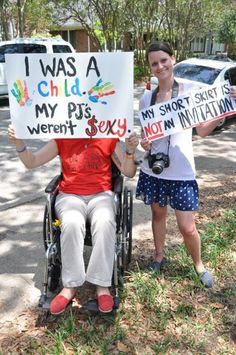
(175, 93)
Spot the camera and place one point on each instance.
(157, 162)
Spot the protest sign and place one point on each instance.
(185, 111)
(71, 95)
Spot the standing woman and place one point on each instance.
(171, 180)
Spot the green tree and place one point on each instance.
(6, 18)
(38, 18)
(144, 20)
(110, 15)
(26, 17)
(21, 16)
(227, 26)
(187, 19)
(103, 19)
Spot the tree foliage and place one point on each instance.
(103, 20)
(26, 17)
(38, 17)
(227, 26)
(110, 15)
(177, 21)
(6, 18)
(187, 19)
(144, 20)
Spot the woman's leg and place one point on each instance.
(72, 210)
(101, 213)
(187, 227)
(192, 241)
(159, 215)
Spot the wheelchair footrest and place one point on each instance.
(92, 305)
(44, 302)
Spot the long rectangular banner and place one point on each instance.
(187, 111)
(71, 95)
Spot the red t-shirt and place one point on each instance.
(86, 164)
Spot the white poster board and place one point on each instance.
(71, 95)
(187, 111)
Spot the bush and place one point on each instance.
(140, 72)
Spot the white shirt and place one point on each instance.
(182, 166)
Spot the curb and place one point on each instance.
(21, 200)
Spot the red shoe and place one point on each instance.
(105, 303)
(59, 304)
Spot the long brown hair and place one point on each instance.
(159, 46)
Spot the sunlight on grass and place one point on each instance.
(145, 289)
(219, 243)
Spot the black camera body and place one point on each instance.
(157, 162)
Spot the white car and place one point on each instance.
(202, 72)
(28, 45)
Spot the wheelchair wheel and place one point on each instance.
(127, 220)
(47, 238)
(54, 275)
(46, 229)
(52, 248)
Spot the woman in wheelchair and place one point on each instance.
(85, 192)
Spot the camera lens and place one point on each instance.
(158, 167)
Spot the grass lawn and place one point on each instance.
(166, 313)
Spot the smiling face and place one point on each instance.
(161, 64)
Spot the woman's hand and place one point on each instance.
(145, 144)
(233, 92)
(131, 143)
(19, 143)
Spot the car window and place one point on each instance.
(195, 72)
(32, 48)
(7, 49)
(61, 49)
(20, 48)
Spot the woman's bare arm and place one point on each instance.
(32, 159)
(125, 161)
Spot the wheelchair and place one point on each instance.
(123, 197)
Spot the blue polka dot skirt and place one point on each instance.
(182, 195)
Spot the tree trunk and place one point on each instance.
(21, 16)
(5, 34)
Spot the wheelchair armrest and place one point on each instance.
(118, 184)
(53, 184)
